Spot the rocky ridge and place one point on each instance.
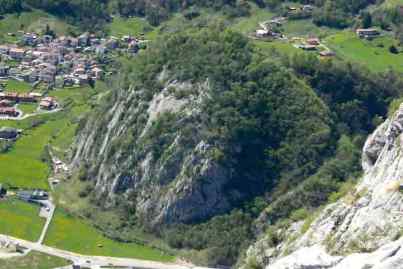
(361, 230)
(166, 175)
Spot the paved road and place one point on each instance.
(92, 261)
(50, 212)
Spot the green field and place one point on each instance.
(128, 26)
(20, 219)
(373, 54)
(249, 24)
(28, 108)
(31, 21)
(298, 28)
(18, 86)
(34, 260)
(73, 234)
(22, 165)
(280, 46)
(25, 165)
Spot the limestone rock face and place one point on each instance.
(389, 256)
(361, 230)
(139, 151)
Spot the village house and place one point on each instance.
(17, 53)
(83, 80)
(292, 8)
(11, 96)
(47, 39)
(30, 39)
(31, 75)
(31, 196)
(133, 47)
(26, 98)
(47, 103)
(367, 33)
(4, 49)
(4, 70)
(69, 81)
(262, 33)
(35, 94)
(308, 47)
(97, 73)
(8, 111)
(313, 41)
(46, 76)
(83, 40)
(6, 103)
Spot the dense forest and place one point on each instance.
(291, 128)
(340, 13)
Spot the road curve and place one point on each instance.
(95, 260)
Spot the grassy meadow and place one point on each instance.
(128, 26)
(373, 54)
(20, 219)
(28, 108)
(26, 164)
(247, 25)
(31, 21)
(74, 234)
(18, 86)
(34, 260)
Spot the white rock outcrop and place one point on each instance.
(362, 230)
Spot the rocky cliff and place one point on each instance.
(141, 153)
(361, 230)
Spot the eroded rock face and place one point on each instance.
(167, 175)
(367, 222)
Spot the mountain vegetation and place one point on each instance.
(289, 128)
(204, 140)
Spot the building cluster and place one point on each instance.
(305, 10)
(8, 100)
(33, 196)
(369, 33)
(269, 29)
(60, 61)
(313, 44)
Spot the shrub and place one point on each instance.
(393, 49)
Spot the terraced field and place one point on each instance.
(26, 165)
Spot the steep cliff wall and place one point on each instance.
(361, 230)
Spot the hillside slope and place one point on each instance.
(190, 140)
(361, 230)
